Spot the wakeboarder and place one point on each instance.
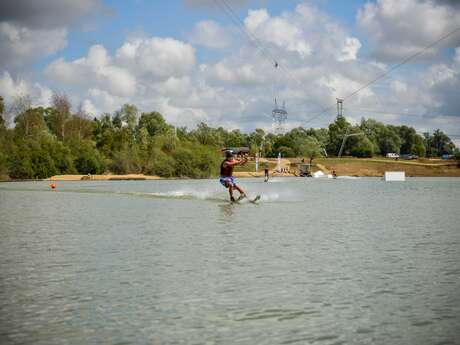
(226, 174)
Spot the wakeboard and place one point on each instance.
(257, 198)
(252, 201)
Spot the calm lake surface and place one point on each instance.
(346, 261)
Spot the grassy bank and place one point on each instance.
(378, 166)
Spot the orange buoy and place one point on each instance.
(53, 186)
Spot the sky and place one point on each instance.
(215, 60)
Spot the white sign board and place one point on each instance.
(395, 176)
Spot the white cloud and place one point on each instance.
(157, 57)
(350, 49)
(279, 31)
(104, 101)
(21, 44)
(457, 56)
(231, 73)
(175, 87)
(319, 61)
(89, 108)
(210, 34)
(11, 88)
(149, 72)
(95, 70)
(397, 29)
(31, 30)
(442, 82)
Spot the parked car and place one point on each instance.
(408, 156)
(392, 155)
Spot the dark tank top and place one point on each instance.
(226, 171)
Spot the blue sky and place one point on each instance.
(176, 19)
(186, 59)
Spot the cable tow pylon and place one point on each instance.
(279, 115)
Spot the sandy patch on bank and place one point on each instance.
(102, 177)
(259, 174)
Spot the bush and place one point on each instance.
(286, 151)
(184, 163)
(162, 165)
(125, 161)
(41, 157)
(20, 162)
(363, 148)
(88, 160)
(207, 162)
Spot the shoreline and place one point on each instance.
(356, 167)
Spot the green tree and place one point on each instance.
(337, 130)
(2, 111)
(418, 146)
(362, 147)
(206, 135)
(88, 160)
(39, 157)
(411, 142)
(162, 164)
(129, 114)
(438, 144)
(310, 147)
(389, 140)
(3, 142)
(117, 120)
(154, 123)
(286, 151)
(103, 135)
(79, 127)
(20, 161)
(30, 123)
(58, 114)
(207, 161)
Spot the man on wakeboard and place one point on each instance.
(226, 174)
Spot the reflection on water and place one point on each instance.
(227, 212)
(173, 262)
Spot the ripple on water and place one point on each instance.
(297, 340)
(363, 330)
(180, 268)
(421, 323)
(326, 337)
(279, 314)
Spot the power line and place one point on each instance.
(403, 62)
(393, 112)
(227, 9)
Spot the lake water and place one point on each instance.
(346, 261)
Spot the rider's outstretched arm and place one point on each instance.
(237, 162)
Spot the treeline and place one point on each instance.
(54, 140)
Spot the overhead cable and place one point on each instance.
(391, 69)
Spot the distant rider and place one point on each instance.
(226, 174)
(266, 172)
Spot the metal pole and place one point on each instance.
(339, 107)
(343, 142)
